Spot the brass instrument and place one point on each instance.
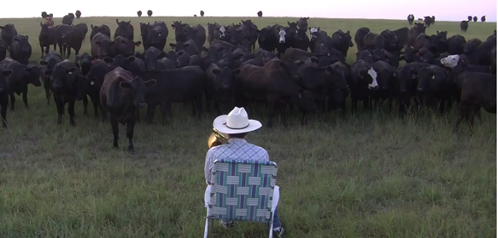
(217, 138)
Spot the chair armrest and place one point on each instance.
(276, 197)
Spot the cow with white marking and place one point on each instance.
(363, 83)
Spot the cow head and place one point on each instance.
(23, 43)
(4, 83)
(137, 88)
(314, 32)
(150, 56)
(32, 75)
(183, 59)
(144, 29)
(8, 32)
(406, 78)
(223, 81)
(281, 38)
(105, 48)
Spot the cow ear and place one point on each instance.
(216, 71)
(117, 22)
(172, 45)
(236, 71)
(138, 43)
(180, 53)
(108, 60)
(124, 84)
(186, 45)
(130, 59)
(150, 83)
(7, 72)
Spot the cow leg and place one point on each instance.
(25, 97)
(55, 47)
(151, 109)
(46, 86)
(4, 106)
(115, 130)
(103, 111)
(96, 105)
(461, 114)
(129, 133)
(12, 100)
(137, 114)
(166, 109)
(85, 105)
(70, 110)
(42, 51)
(60, 108)
(271, 111)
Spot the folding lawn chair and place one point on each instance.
(242, 190)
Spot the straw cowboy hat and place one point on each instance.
(236, 122)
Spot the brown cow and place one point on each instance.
(121, 95)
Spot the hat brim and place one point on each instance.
(219, 124)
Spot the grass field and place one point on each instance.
(365, 175)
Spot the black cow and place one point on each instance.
(44, 14)
(20, 49)
(68, 19)
(125, 47)
(456, 44)
(49, 62)
(102, 46)
(276, 85)
(8, 33)
(475, 18)
(410, 19)
(4, 94)
(67, 85)
(104, 29)
(219, 87)
(360, 36)
(260, 14)
(302, 23)
(342, 41)
(434, 85)
(428, 21)
(464, 25)
(414, 32)
(149, 13)
(70, 37)
(482, 53)
(78, 14)
(85, 62)
(267, 39)
(47, 37)
(95, 79)
(386, 78)
(21, 76)
(154, 35)
(406, 81)
(483, 19)
(493, 61)
(175, 85)
(3, 49)
(139, 13)
(151, 57)
(202, 13)
(121, 95)
(124, 29)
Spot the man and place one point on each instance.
(236, 125)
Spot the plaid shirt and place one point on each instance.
(234, 149)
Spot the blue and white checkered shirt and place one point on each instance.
(235, 149)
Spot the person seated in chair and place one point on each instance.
(236, 125)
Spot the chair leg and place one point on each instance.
(206, 228)
(211, 226)
(271, 226)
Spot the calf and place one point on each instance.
(4, 94)
(124, 46)
(102, 46)
(21, 76)
(67, 85)
(121, 95)
(20, 49)
(434, 85)
(219, 86)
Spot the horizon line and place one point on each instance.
(191, 16)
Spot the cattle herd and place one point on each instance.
(439, 69)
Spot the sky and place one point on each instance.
(443, 10)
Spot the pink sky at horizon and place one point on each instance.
(443, 10)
